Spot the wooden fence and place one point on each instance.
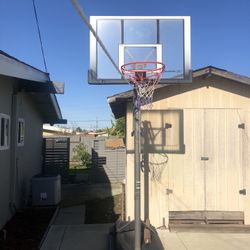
(56, 156)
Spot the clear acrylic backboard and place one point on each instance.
(140, 38)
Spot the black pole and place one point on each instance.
(137, 165)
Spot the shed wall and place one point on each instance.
(212, 110)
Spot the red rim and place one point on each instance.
(156, 70)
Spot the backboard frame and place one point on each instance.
(187, 72)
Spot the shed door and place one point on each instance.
(208, 176)
(222, 160)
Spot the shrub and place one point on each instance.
(82, 155)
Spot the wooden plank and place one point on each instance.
(227, 228)
(207, 215)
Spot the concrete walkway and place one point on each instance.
(67, 231)
(204, 241)
(77, 237)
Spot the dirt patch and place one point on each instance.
(106, 210)
(25, 230)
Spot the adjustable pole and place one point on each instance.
(137, 171)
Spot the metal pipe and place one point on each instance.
(13, 150)
(137, 165)
(98, 39)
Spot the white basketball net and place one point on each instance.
(145, 76)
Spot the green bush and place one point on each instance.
(82, 155)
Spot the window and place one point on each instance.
(4, 131)
(20, 134)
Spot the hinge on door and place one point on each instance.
(243, 191)
(242, 125)
(204, 158)
(168, 125)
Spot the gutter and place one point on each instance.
(56, 106)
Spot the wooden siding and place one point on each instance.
(188, 182)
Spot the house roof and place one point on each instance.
(35, 82)
(117, 102)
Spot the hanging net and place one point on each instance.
(145, 76)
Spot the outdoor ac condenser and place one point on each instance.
(46, 190)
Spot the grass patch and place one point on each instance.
(75, 171)
(77, 168)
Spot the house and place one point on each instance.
(195, 150)
(53, 131)
(27, 100)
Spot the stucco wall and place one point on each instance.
(212, 110)
(28, 164)
(5, 107)
(28, 156)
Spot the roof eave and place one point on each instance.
(117, 102)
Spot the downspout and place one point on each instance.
(13, 150)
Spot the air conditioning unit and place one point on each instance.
(46, 190)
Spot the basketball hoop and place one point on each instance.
(145, 76)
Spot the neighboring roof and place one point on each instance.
(11, 66)
(117, 102)
(56, 130)
(36, 82)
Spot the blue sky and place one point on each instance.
(220, 37)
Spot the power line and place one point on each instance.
(90, 120)
(39, 34)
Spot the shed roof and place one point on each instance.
(117, 102)
(37, 83)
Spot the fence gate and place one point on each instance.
(56, 156)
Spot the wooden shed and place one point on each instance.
(195, 150)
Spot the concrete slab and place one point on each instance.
(204, 241)
(70, 216)
(54, 238)
(170, 241)
(77, 237)
(94, 237)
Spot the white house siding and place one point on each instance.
(5, 107)
(28, 156)
(211, 115)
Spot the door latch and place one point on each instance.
(243, 191)
(204, 158)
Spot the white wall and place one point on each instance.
(28, 157)
(5, 107)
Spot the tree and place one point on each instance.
(118, 128)
(78, 129)
(82, 155)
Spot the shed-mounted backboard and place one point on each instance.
(140, 38)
